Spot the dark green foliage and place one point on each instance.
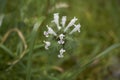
(92, 54)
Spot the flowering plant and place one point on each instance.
(61, 32)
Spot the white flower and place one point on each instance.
(51, 31)
(47, 44)
(61, 36)
(61, 53)
(56, 20)
(61, 42)
(60, 56)
(71, 23)
(63, 21)
(46, 33)
(77, 28)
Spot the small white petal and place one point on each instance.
(62, 51)
(61, 36)
(63, 21)
(56, 20)
(71, 23)
(47, 44)
(51, 31)
(46, 34)
(60, 56)
(61, 42)
(77, 28)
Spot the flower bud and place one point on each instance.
(63, 21)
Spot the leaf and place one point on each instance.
(32, 41)
(78, 69)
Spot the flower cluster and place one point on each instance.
(62, 29)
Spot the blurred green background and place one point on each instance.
(100, 34)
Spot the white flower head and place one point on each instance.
(63, 21)
(72, 22)
(61, 53)
(77, 28)
(56, 20)
(60, 36)
(47, 44)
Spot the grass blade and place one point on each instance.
(33, 37)
(7, 50)
(82, 68)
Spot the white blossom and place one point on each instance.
(71, 23)
(47, 44)
(61, 53)
(60, 56)
(77, 28)
(51, 31)
(61, 42)
(56, 20)
(61, 36)
(63, 21)
(46, 33)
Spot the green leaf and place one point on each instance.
(31, 45)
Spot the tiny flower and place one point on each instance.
(47, 44)
(71, 23)
(56, 20)
(61, 36)
(60, 56)
(61, 53)
(63, 21)
(61, 42)
(51, 31)
(77, 28)
(46, 33)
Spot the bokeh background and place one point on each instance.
(100, 34)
